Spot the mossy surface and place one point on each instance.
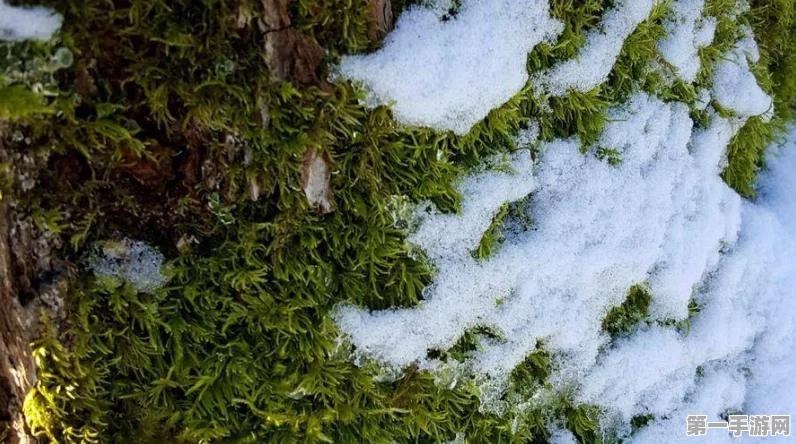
(160, 129)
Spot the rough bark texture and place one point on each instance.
(289, 55)
(380, 19)
(17, 368)
(31, 281)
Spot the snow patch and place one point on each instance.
(772, 387)
(20, 23)
(747, 326)
(560, 435)
(448, 75)
(131, 261)
(719, 389)
(734, 85)
(687, 31)
(594, 63)
(399, 337)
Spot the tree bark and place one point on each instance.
(17, 368)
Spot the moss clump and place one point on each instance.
(633, 312)
(623, 318)
(746, 154)
(33, 64)
(468, 342)
(774, 25)
(17, 102)
(585, 113)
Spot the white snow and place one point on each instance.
(448, 75)
(687, 31)
(747, 44)
(19, 23)
(444, 235)
(594, 63)
(748, 322)
(734, 85)
(719, 389)
(773, 361)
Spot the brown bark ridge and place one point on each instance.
(380, 19)
(17, 368)
(289, 55)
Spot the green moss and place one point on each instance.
(746, 155)
(579, 17)
(683, 325)
(340, 27)
(534, 370)
(27, 78)
(639, 50)
(584, 114)
(17, 102)
(641, 421)
(470, 341)
(634, 312)
(623, 318)
(240, 348)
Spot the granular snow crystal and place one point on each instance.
(131, 261)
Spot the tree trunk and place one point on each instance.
(17, 369)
